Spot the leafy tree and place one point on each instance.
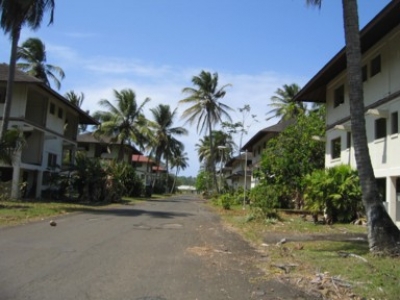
(203, 181)
(241, 127)
(14, 15)
(33, 54)
(125, 121)
(206, 109)
(292, 155)
(283, 104)
(383, 234)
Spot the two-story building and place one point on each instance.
(237, 171)
(104, 147)
(49, 123)
(380, 46)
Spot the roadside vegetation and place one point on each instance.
(327, 261)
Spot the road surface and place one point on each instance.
(172, 249)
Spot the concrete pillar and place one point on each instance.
(39, 181)
(391, 197)
(15, 184)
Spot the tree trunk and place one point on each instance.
(212, 151)
(16, 32)
(383, 234)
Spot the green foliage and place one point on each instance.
(293, 154)
(125, 180)
(264, 198)
(335, 190)
(225, 201)
(203, 181)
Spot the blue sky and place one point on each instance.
(155, 47)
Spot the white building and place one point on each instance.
(104, 147)
(380, 44)
(49, 123)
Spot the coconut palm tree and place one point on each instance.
(283, 104)
(74, 98)
(14, 15)
(221, 139)
(163, 132)
(206, 109)
(123, 122)
(32, 53)
(383, 234)
(77, 100)
(179, 162)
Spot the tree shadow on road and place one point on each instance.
(132, 212)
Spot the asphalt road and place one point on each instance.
(173, 249)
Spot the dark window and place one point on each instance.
(364, 72)
(339, 96)
(60, 113)
(335, 148)
(348, 140)
(2, 95)
(380, 128)
(52, 108)
(395, 122)
(375, 65)
(51, 160)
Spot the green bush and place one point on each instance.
(225, 201)
(264, 198)
(336, 191)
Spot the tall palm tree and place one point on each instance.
(220, 139)
(14, 15)
(77, 100)
(123, 122)
(74, 98)
(33, 54)
(163, 132)
(383, 234)
(206, 109)
(179, 162)
(283, 104)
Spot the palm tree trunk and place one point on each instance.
(173, 184)
(383, 234)
(212, 153)
(10, 82)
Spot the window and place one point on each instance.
(380, 128)
(60, 113)
(52, 108)
(335, 148)
(375, 65)
(395, 122)
(348, 140)
(51, 160)
(338, 96)
(2, 95)
(364, 72)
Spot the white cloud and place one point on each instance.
(97, 77)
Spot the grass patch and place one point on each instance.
(19, 212)
(332, 260)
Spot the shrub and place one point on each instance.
(264, 198)
(336, 191)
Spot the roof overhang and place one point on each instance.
(383, 23)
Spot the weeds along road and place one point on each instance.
(172, 249)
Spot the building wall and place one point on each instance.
(382, 129)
